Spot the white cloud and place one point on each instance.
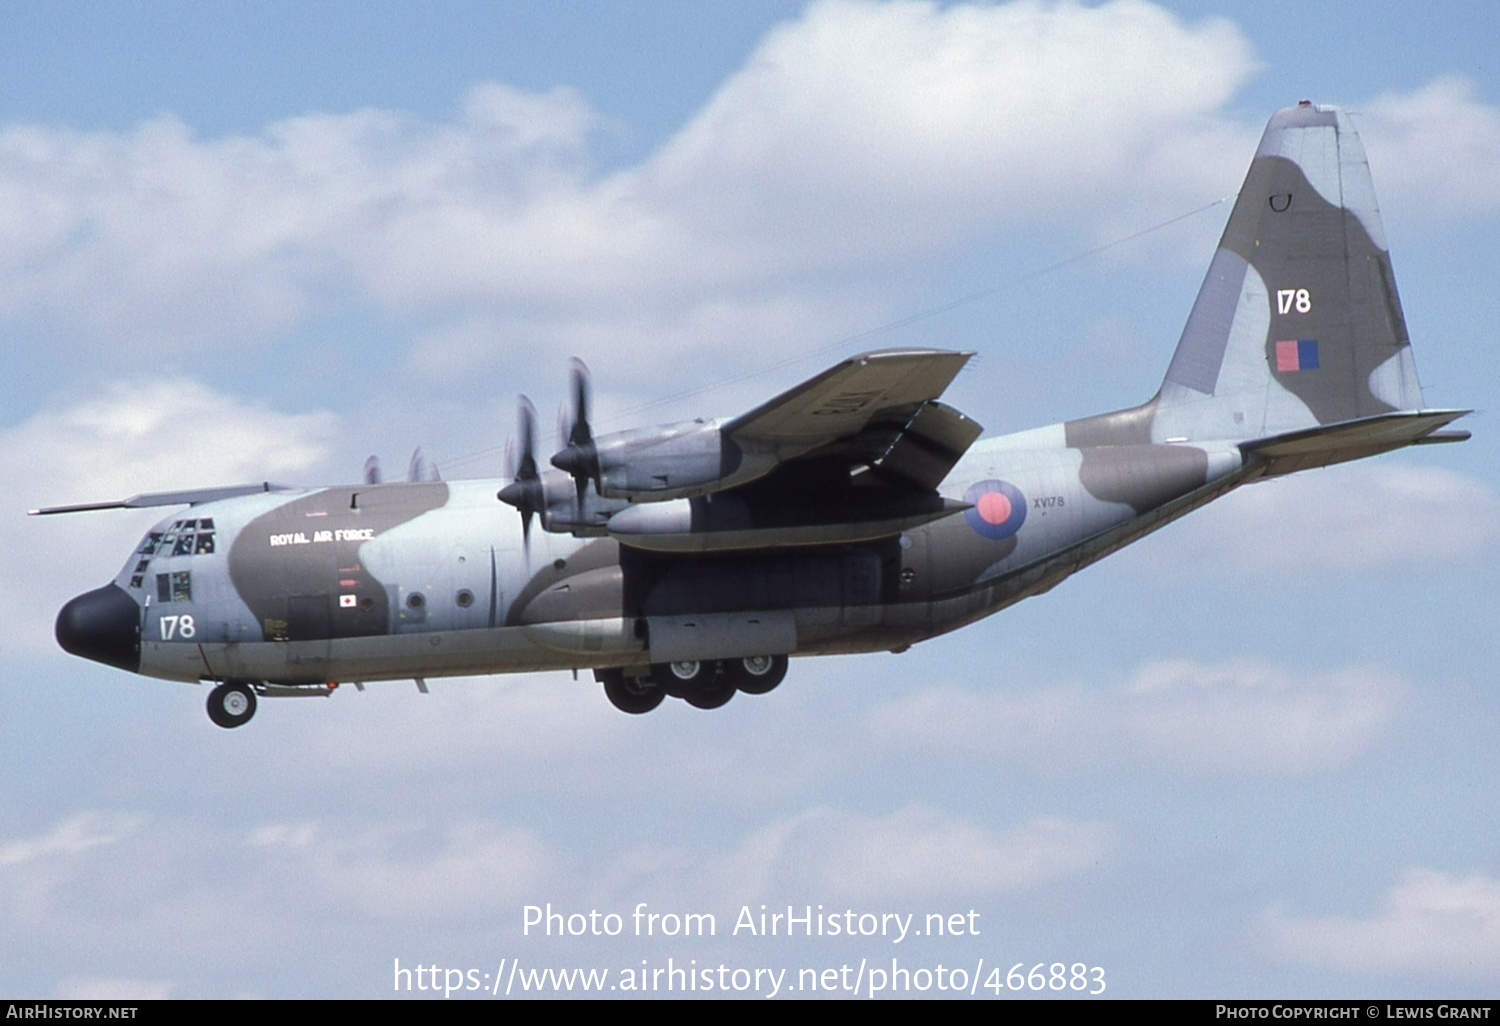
(1242, 717)
(1430, 924)
(911, 854)
(78, 833)
(231, 238)
(36, 872)
(126, 906)
(1436, 149)
(858, 134)
(464, 870)
(162, 433)
(901, 126)
(1246, 717)
(141, 916)
(856, 140)
(1353, 517)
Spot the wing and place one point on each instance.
(191, 497)
(854, 454)
(846, 397)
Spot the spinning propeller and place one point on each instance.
(579, 457)
(418, 470)
(525, 491)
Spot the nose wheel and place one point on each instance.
(231, 705)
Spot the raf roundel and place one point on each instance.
(998, 510)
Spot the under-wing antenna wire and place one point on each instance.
(900, 322)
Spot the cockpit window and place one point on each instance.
(183, 538)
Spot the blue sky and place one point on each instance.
(1251, 755)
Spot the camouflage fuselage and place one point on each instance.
(372, 582)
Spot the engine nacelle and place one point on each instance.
(565, 513)
(675, 461)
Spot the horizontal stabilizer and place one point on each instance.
(1351, 440)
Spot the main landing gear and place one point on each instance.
(703, 685)
(231, 705)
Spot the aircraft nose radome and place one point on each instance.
(103, 625)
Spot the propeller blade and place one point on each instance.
(526, 429)
(579, 432)
(372, 470)
(525, 491)
(579, 457)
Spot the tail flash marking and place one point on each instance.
(1297, 355)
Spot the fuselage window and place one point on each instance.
(205, 544)
(184, 546)
(148, 547)
(164, 587)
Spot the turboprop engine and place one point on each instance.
(673, 461)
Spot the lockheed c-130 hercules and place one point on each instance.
(853, 513)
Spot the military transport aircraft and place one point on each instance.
(853, 513)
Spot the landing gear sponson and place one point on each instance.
(703, 685)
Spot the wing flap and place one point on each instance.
(928, 447)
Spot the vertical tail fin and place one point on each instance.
(1298, 324)
(1296, 347)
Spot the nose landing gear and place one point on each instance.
(231, 705)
